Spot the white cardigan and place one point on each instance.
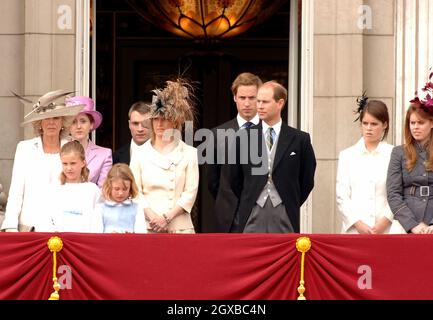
(361, 186)
(33, 173)
(167, 180)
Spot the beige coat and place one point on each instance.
(166, 180)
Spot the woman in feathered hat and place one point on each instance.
(165, 168)
(410, 173)
(361, 174)
(99, 160)
(37, 162)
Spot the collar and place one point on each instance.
(242, 121)
(360, 146)
(37, 143)
(421, 147)
(112, 203)
(134, 146)
(276, 127)
(165, 160)
(90, 144)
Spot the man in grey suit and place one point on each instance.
(244, 89)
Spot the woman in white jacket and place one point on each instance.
(361, 176)
(37, 164)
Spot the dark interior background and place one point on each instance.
(134, 57)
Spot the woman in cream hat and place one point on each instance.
(165, 168)
(37, 163)
(99, 160)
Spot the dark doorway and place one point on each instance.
(134, 57)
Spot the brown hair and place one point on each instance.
(245, 79)
(123, 172)
(379, 110)
(140, 106)
(77, 148)
(409, 146)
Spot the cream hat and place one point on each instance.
(46, 107)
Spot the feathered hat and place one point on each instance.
(424, 96)
(46, 107)
(361, 102)
(175, 102)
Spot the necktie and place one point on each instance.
(247, 125)
(270, 137)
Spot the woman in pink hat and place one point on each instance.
(99, 160)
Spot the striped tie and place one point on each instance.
(270, 137)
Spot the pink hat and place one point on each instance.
(88, 109)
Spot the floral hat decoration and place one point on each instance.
(424, 97)
(361, 102)
(175, 102)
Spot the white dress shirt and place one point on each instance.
(277, 129)
(241, 121)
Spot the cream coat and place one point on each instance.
(34, 172)
(361, 186)
(167, 180)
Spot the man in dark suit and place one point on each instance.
(244, 89)
(274, 170)
(139, 125)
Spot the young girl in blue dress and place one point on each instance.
(120, 213)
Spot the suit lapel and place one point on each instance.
(284, 140)
(234, 124)
(90, 153)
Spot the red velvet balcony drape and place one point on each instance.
(218, 266)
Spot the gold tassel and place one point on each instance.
(55, 244)
(303, 244)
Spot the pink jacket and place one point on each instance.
(99, 161)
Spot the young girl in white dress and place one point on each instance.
(120, 213)
(74, 201)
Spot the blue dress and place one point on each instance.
(121, 217)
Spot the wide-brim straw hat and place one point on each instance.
(47, 107)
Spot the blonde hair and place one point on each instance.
(75, 147)
(64, 131)
(409, 145)
(123, 172)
